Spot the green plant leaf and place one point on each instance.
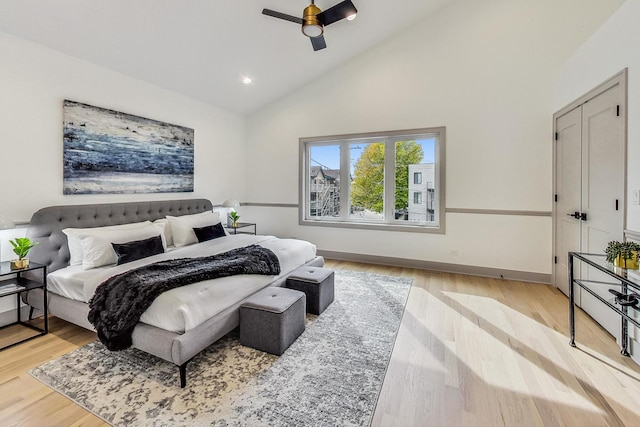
(22, 246)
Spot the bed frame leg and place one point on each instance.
(183, 375)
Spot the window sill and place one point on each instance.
(375, 226)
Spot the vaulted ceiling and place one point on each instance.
(204, 48)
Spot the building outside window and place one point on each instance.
(387, 180)
(324, 192)
(418, 209)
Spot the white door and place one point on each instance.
(590, 181)
(568, 193)
(603, 159)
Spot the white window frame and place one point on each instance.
(389, 138)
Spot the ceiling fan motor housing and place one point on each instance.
(311, 26)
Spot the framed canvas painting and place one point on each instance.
(109, 152)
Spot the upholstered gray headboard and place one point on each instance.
(47, 224)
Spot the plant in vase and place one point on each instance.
(234, 218)
(21, 247)
(623, 254)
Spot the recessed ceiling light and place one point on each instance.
(352, 17)
(246, 80)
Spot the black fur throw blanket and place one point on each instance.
(119, 301)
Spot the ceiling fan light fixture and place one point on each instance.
(312, 30)
(311, 26)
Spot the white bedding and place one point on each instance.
(184, 308)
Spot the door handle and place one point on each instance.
(578, 215)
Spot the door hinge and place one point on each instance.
(556, 136)
(555, 198)
(555, 259)
(617, 110)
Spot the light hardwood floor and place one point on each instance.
(470, 351)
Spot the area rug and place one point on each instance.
(330, 376)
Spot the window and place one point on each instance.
(387, 180)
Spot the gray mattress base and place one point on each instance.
(173, 347)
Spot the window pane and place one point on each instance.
(367, 181)
(415, 175)
(324, 182)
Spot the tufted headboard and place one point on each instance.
(47, 224)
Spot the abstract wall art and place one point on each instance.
(109, 152)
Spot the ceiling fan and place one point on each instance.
(314, 20)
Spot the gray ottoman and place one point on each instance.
(317, 285)
(272, 319)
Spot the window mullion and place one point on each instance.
(345, 180)
(389, 180)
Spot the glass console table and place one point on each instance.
(621, 280)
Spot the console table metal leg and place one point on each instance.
(625, 325)
(625, 335)
(572, 320)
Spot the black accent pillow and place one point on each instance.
(138, 249)
(209, 232)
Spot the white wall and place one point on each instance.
(613, 47)
(35, 80)
(484, 69)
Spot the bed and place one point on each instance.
(174, 342)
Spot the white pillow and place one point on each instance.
(182, 226)
(75, 244)
(98, 251)
(168, 236)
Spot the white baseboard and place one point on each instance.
(524, 276)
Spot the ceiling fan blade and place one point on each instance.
(318, 42)
(337, 12)
(284, 16)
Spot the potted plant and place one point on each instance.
(21, 247)
(234, 218)
(623, 254)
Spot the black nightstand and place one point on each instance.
(18, 284)
(242, 225)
